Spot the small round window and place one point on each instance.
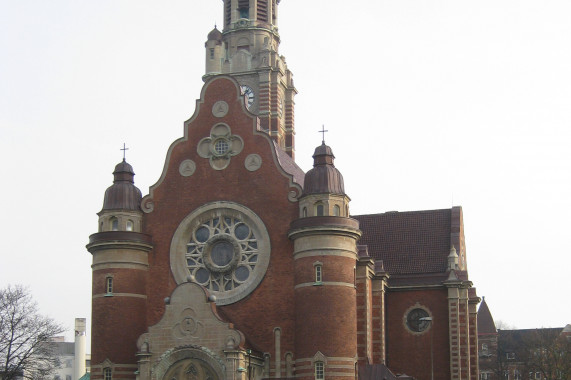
(221, 147)
(418, 320)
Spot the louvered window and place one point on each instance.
(263, 10)
(244, 8)
(228, 12)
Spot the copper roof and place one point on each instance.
(486, 323)
(123, 194)
(324, 177)
(415, 242)
(215, 35)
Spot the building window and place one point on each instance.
(517, 375)
(304, 212)
(107, 374)
(114, 224)
(485, 376)
(336, 210)
(211, 53)
(319, 371)
(130, 225)
(484, 349)
(538, 375)
(319, 209)
(506, 374)
(318, 273)
(510, 355)
(109, 285)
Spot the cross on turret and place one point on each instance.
(124, 149)
(323, 130)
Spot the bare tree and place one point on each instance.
(25, 349)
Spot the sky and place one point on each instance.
(428, 104)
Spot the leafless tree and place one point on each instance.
(25, 349)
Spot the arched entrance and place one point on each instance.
(189, 363)
(190, 369)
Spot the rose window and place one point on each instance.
(225, 247)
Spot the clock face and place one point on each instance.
(249, 96)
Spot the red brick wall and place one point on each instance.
(410, 353)
(265, 192)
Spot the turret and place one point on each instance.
(325, 254)
(214, 52)
(120, 265)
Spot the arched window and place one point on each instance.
(318, 272)
(130, 225)
(304, 212)
(319, 209)
(336, 210)
(107, 374)
(319, 371)
(114, 224)
(109, 285)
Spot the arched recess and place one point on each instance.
(202, 363)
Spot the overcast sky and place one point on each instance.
(428, 104)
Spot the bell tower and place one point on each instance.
(247, 49)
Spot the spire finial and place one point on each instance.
(323, 130)
(124, 149)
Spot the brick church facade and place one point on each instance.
(238, 265)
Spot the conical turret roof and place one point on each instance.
(486, 323)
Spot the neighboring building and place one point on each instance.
(75, 362)
(526, 354)
(487, 343)
(238, 265)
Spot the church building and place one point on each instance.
(237, 265)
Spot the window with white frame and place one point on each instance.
(130, 225)
(510, 355)
(107, 374)
(319, 371)
(108, 284)
(517, 374)
(485, 376)
(318, 272)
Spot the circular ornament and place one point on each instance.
(187, 168)
(225, 247)
(220, 108)
(253, 162)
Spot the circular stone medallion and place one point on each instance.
(220, 108)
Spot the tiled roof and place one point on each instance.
(486, 323)
(289, 166)
(524, 338)
(408, 242)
